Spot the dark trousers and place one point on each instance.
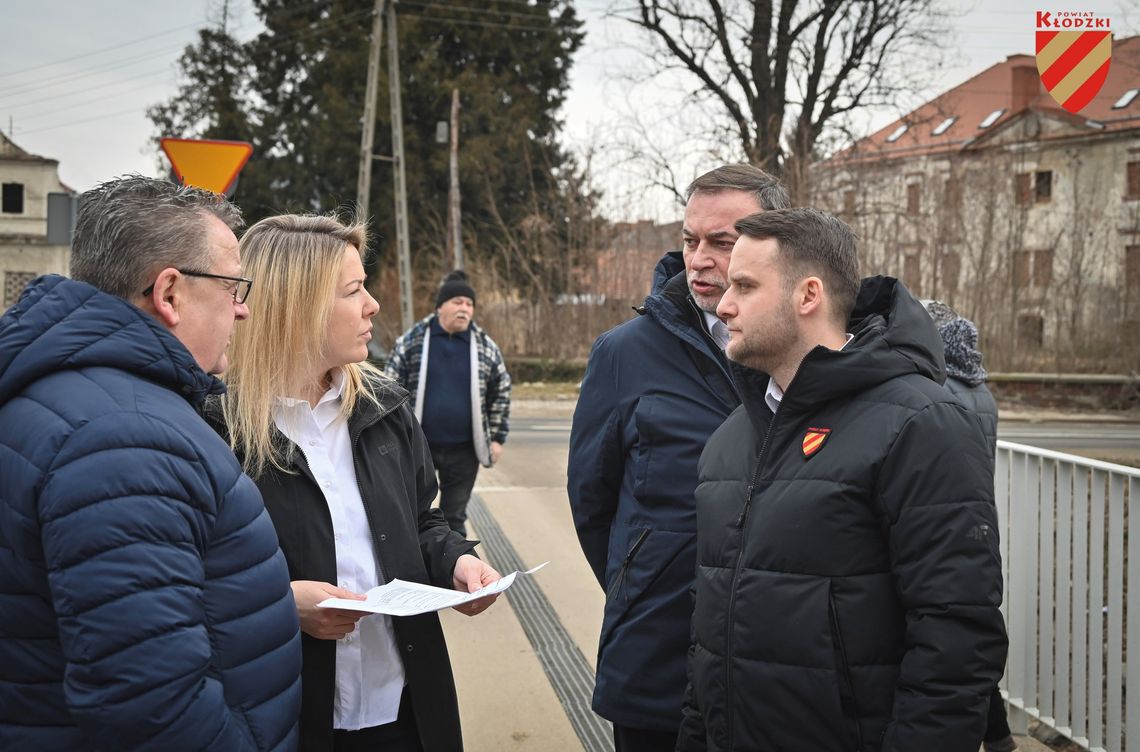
(628, 739)
(457, 467)
(401, 735)
(997, 723)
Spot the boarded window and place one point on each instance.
(913, 198)
(849, 204)
(1132, 189)
(1132, 269)
(12, 198)
(1042, 268)
(953, 194)
(951, 269)
(1022, 261)
(1032, 268)
(912, 271)
(1030, 330)
(1023, 188)
(14, 284)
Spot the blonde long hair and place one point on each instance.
(295, 262)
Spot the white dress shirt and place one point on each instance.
(717, 329)
(369, 671)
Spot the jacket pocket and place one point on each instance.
(848, 701)
(619, 578)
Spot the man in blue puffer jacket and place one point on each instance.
(144, 603)
(655, 389)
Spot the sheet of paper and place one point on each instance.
(400, 598)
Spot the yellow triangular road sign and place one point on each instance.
(213, 165)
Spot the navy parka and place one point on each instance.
(655, 389)
(144, 603)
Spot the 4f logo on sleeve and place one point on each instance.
(1074, 52)
(814, 439)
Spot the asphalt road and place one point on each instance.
(552, 431)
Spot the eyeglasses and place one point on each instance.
(242, 285)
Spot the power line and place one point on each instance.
(100, 51)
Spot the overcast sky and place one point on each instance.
(76, 78)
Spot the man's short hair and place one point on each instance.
(769, 192)
(811, 242)
(131, 228)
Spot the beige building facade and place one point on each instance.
(26, 180)
(1024, 217)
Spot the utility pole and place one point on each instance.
(364, 173)
(455, 236)
(403, 248)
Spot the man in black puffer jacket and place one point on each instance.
(848, 576)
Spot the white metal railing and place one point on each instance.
(1068, 560)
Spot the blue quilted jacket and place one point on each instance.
(144, 602)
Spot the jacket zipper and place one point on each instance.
(848, 700)
(625, 564)
(740, 555)
(736, 574)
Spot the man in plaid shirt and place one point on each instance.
(462, 392)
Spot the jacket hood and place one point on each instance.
(670, 265)
(893, 336)
(60, 324)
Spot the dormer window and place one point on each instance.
(991, 118)
(1125, 99)
(897, 134)
(944, 126)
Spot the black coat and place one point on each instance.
(412, 541)
(655, 389)
(848, 599)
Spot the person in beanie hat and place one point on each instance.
(462, 392)
(966, 380)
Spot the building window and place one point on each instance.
(897, 134)
(912, 270)
(1033, 187)
(1032, 268)
(12, 198)
(1132, 187)
(953, 194)
(950, 271)
(14, 284)
(849, 204)
(1132, 269)
(1030, 330)
(944, 126)
(913, 198)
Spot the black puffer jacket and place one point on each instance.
(412, 543)
(848, 600)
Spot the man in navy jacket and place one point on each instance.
(144, 603)
(655, 388)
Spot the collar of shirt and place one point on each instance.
(437, 330)
(713, 324)
(773, 395)
(327, 407)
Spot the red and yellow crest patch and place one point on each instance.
(814, 439)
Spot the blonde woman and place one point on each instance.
(347, 478)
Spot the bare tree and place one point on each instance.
(779, 73)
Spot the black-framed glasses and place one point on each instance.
(242, 285)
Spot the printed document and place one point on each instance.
(400, 598)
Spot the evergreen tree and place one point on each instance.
(296, 91)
